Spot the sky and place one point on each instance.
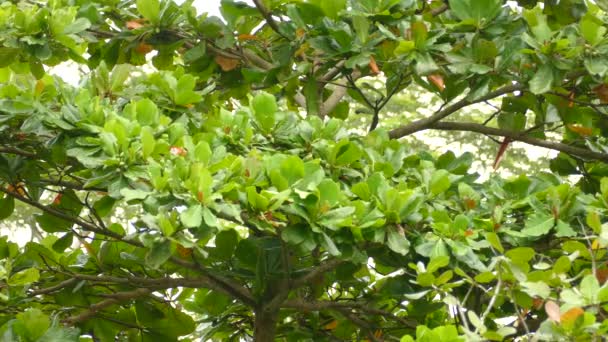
(212, 6)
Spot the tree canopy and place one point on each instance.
(204, 180)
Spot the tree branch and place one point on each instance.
(519, 136)
(17, 151)
(54, 288)
(114, 299)
(268, 16)
(316, 272)
(304, 305)
(437, 11)
(218, 282)
(426, 123)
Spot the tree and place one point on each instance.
(249, 211)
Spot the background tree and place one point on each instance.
(248, 211)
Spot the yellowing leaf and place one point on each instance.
(245, 37)
(571, 315)
(226, 63)
(331, 325)
(580, 130)
(39, 87)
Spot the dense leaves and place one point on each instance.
(210, 190)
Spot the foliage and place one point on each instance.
(255, 214)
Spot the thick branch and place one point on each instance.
(519, 136)
(333, 99)
(268, 16)
(426, 123)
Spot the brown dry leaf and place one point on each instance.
(144, 48)
(183, 251)
(552, 310)
(601, 275)
(580, 130)
(571, 315)
(331, 325)
(245, 36)
(437, 80)
(470, 203)
(602, 92)
(226, 63)
(134, 24)
(373, 66)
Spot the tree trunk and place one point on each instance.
(264, 326)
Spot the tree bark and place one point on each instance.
(264, 327)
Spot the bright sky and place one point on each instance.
(212, 6)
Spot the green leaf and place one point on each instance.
(397, 242)
(512, 121)
(158, 254)
(60, 334)
(24, 277)
(493, 239)
(225, 244)
(149, 9)
(481, 12)
(147, 113)
(439, 182)
(148, 142)
(7, 205)
(209, 218)
(542, 80)
(133, 194)
(596, 66)
(7, 56)
(589, 288)
(538, 224)
(330, 246)
(193, 216)
(592, 29)
(404, 47)
(32, 324)
(296, 234)
(520, 254)
(77, 26)
(437, 263)
(536, 289)
(333, 8)
(264, 107)
(63, 243)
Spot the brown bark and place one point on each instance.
(265, 324)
